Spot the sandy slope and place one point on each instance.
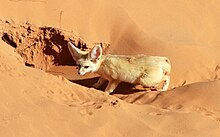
(27, 95)
(35, 103)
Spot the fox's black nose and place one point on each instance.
(79, 73)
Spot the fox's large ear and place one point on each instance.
(96, 52)
(75, 52)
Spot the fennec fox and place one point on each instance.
(148, 71)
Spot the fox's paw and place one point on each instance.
(109, 91)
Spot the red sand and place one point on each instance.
(36, 103)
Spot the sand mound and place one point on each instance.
(42, 104)
(40, 47)
(203, 96)
(24, 79)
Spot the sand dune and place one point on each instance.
(38, 104)
(58, 102)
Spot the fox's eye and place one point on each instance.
(86, 67)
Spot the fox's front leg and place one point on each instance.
(111, 86)
(99, 82)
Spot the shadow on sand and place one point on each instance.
(123, 88)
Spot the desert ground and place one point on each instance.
(42, 94)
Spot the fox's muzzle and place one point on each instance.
(82, 71)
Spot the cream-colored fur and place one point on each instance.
(148, 71)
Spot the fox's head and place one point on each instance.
(86, 61)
